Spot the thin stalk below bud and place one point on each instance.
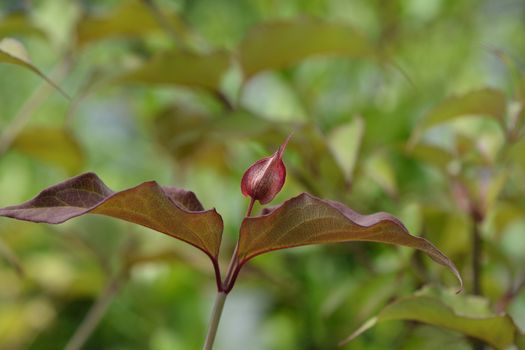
(227, 285)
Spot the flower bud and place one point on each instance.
(265, 178)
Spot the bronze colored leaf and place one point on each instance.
(305, 220)
(128, 19)
(484, 102)
(17, 24)
(181, 68)
(56, 146)
(280, 44)
(175, 212)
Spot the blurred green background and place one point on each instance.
(413, 107)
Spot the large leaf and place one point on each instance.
(484, 102)
(305, 220)
(10, 53)
(469, 315)
(169, 210)
(280, 44)
(51, 145)
(129, 19)
(181, 68)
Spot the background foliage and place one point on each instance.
(414, 107)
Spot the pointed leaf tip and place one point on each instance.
(13, 52)
(172, 211)
(305, 220)
(469, 315)
(265, 178)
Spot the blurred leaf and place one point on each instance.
(198, 138)
(464, 145)
(51, 145)
(424, 337)
(24, 319)
(273, 97)
(181, 68)
(345, 141)
(484, 102)
(15, 48)
(493, 188)
(16, 24)
(169, 210)
(517, 153)
(318, 171)
(188, 137)
(13, 52)
(241, 124)
(275, 45)
(432, 154)
(172, 255)
(374, 292)
(379, 168)
(454, 235)
(61, 274)
(514, 72)
(305, 220)
(505, 213)
(469, 315)
(520, 341)
(129, 19)
(516, 120)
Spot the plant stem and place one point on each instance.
(232, 271)
(214, 321)
(95, 313)
(476, 258)
(476, 268)
(250, 207)
(223, 291)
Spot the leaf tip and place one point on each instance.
(366, 326)
(460, 289)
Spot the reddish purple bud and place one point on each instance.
(265, 178)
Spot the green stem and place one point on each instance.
(223, 292)
(214, 321)
(476, 268)
(96, 313)
(476, 258)
(232, 271)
